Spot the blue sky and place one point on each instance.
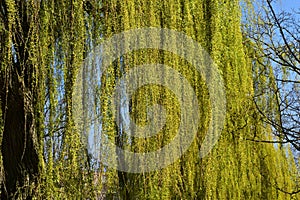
(287, 5)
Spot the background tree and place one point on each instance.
(275, 37)
(274, 40)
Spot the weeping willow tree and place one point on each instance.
(237, 168)
(44, 152)
(43, 44)
(266, 98)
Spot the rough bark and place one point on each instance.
(20, 157)
(19, 150)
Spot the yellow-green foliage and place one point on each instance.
(56, 42)
(61, 33)
(236, 168)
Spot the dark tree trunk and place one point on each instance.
(20, 157)
(19, 140)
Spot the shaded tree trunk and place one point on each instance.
(19, 142)
(20, 157)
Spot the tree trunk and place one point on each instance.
(20, 157)
(19, 145)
